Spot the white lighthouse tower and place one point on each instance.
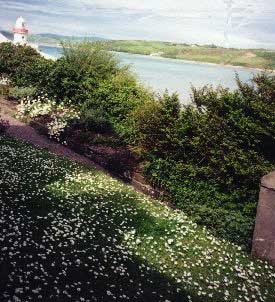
(20, 32)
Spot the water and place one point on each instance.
(176, 75)
(53, 51)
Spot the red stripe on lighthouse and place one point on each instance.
(20, 31)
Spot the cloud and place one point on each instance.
(252, 21)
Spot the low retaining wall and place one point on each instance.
(114, 161)
(114, 164)
(263, 246)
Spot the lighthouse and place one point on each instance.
(20, 32)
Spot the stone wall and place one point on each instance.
(263, 246)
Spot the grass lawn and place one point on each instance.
(69, 233)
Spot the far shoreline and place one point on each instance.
(198, 62)
(180, 60)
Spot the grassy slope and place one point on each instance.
(258, 58)
(83, 235)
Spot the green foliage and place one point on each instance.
(107, 140)
(154, 124)
(204, 199)
(20, 93)
(93, 79)
(94, 120)
(117, 97)
(80, 70)
(222, 146)
(24, 65)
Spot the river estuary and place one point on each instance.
(176, 75)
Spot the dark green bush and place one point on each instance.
(107, 140)
(80, 71)
(94, 80)
(95, 120)
(153, 125)
(24, 65)
(205, 200)
(217, 150)
(117, 97)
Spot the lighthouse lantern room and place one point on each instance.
(20, 32)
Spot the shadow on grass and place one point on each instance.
(51, 252)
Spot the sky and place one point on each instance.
(230, 23)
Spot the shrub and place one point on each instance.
(117, 97)
(80, 70)
(19, 93)
(107, 140)
(24, 65)
(155, 123)
(34, 107)
(94, 80)
(204, 200)
(5, 81)
(215, 152)
(95, 120)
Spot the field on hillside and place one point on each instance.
(258, 58)
(69, 233)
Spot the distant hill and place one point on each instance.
(253, 58)
(7, 34)
(71, 38)
(52, 39)
(3, 38)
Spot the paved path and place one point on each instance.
(26, 133)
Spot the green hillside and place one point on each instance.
(256, 58)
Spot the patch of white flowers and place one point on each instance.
(59, 114)
(5, 81)
(60, 120)
(72, 234)
(29, 107)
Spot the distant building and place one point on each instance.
(20, 32)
